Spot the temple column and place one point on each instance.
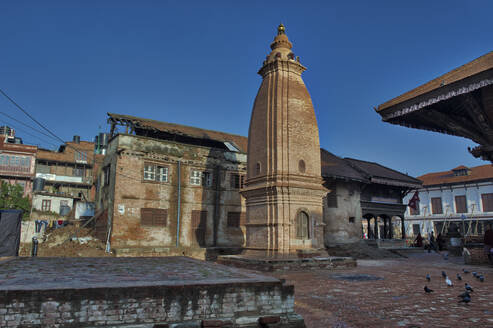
(376, 227)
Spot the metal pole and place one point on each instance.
(179, 204)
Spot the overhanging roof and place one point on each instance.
(459, 103)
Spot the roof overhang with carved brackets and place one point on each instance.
(458, 103)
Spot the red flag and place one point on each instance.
(413, 202)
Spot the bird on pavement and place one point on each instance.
(459, 277)
(474, 274)
(445, 257)
(466, 293)
(448, 282)
(468, 288)
(466, 299)
(428, 277)
(444, 274)
(427, 290)
(465, 271)
(481, 278)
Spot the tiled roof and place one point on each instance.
(363, 171)
(336, 167)
(474, 67)
(375, 170)
(240, 141)
(477, 173)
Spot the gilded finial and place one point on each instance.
(281, 29)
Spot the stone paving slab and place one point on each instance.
(27, 273)
(389, 293)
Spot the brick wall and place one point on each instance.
(231, 305)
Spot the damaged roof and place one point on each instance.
(239, 142)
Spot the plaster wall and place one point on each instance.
(338, 227)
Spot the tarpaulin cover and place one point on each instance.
(10, 232)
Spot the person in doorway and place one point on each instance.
(440, 241)
(432, 243)
(418, 242)
(488, 243)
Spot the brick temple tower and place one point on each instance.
(283, 189)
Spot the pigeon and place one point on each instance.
(474, 274)
(448, 281)
(465, 271)
(481, 278)
(445, 257)
(466, 293)
(459, 277)
(428, 277)
(444, 274)
(469, 288)
(466, 299)
(427, 290)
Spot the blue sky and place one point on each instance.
(195, 63)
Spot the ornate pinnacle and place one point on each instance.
(281, 29)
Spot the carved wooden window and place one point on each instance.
(302, 225)
(461, 204)
(487, 200)
(436, 205)
(154, 217)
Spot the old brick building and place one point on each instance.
(166, 187)
(17, 163)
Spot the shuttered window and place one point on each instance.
(199, 222)
(236, 219)
(461, 204)
(436, 205)
(154, 217)
(487, 200)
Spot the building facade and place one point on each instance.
(167, 185)
(65, 177)
(462, 195)
(365, 200)
(17, 161)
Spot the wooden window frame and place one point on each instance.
(487, 202)
(154, 217)
(236, 181)
(46, 205)
(195, 177)
(434, 209)
(461, 209)
(154, 172)
(300, 225)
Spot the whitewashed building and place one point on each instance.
(462, 195)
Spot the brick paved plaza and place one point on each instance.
(389, 293)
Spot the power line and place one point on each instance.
(27, 125)
(30, 116)
(53, 134)
(24, 131)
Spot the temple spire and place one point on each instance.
(281, 29)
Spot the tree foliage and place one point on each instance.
(12, 198)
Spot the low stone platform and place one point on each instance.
(140, 292)
(272, 264)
